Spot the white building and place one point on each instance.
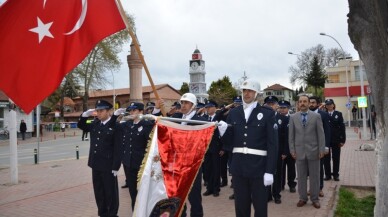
(197, 72)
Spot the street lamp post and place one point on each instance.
(346, 73)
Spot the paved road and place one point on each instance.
(50, 149)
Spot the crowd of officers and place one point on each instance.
(250, 144)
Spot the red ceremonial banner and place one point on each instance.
(42, 40)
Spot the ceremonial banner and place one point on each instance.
(42, 40)
(174, 157)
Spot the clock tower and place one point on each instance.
(197, 72)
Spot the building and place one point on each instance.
(20, 115)
(281, 92)
(347, 72)
(197, 72)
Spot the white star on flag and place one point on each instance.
(42, 30)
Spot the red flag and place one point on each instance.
(42, 40)
(175, 154)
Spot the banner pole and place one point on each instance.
(137, 47)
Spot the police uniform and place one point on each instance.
(338, 135)
(254, 154)
(149, 107)
(134, 139)
(212, 159)
(104, 157)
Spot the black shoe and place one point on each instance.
(207, 193)
(216, 194)
(292, 190)
(327, 178)
(223, 184)
(124, 186)
(336, 179)
(205, 184)
(269, 199)
(231, 197)
(278, 201)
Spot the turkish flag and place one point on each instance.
(42, 40)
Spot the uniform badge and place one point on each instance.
(275, 126)
(140, 128)
(259, 116)
(280, 121)
(336, 116)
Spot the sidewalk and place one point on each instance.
(64, 188)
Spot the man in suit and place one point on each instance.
(338, 138)
(251, 137)
(212, 156)
(104, 156)
(307, 146)
(315, 103)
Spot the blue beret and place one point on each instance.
(284, 103)
(329, 101)
(211, 103)
(237, 99)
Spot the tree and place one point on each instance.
(222, 91)
(102, 59)
(184, 88)
(317, 77)
(303, 66)
(368, 24)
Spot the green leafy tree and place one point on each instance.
(184, 88)
(317, 77)
(222, 91)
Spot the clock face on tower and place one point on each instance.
(194, 65)
(202, 66)
(194, 88)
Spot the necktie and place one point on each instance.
(304, 120)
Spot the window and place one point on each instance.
(269, 93)
(357, 73)
(278, 92)
(333, 79)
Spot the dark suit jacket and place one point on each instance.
(326, 126)
(133, 139)
(259, 132)
(104, 153)
(338, 132)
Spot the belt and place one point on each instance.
(246, 150)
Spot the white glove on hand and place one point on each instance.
(119, 111)
(222, 126)
(114, 172)
(268, 179)
(88, 113)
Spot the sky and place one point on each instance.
(251, 36)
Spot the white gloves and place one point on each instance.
(88, 113)
(222, 126)
(268, 179)
(114, 172)
(119, 111)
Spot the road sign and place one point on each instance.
(362, 102)
(348, 105)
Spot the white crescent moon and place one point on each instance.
(81, 18)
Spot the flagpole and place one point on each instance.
(153, 117)
(13, 145)
(137, 47)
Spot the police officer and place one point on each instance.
(188, 103)
(134, 135)
(252, 139)
(288, 160)
(272, 102)
(212, 156)
(104, 156)
(149, 107)
(338, 139)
